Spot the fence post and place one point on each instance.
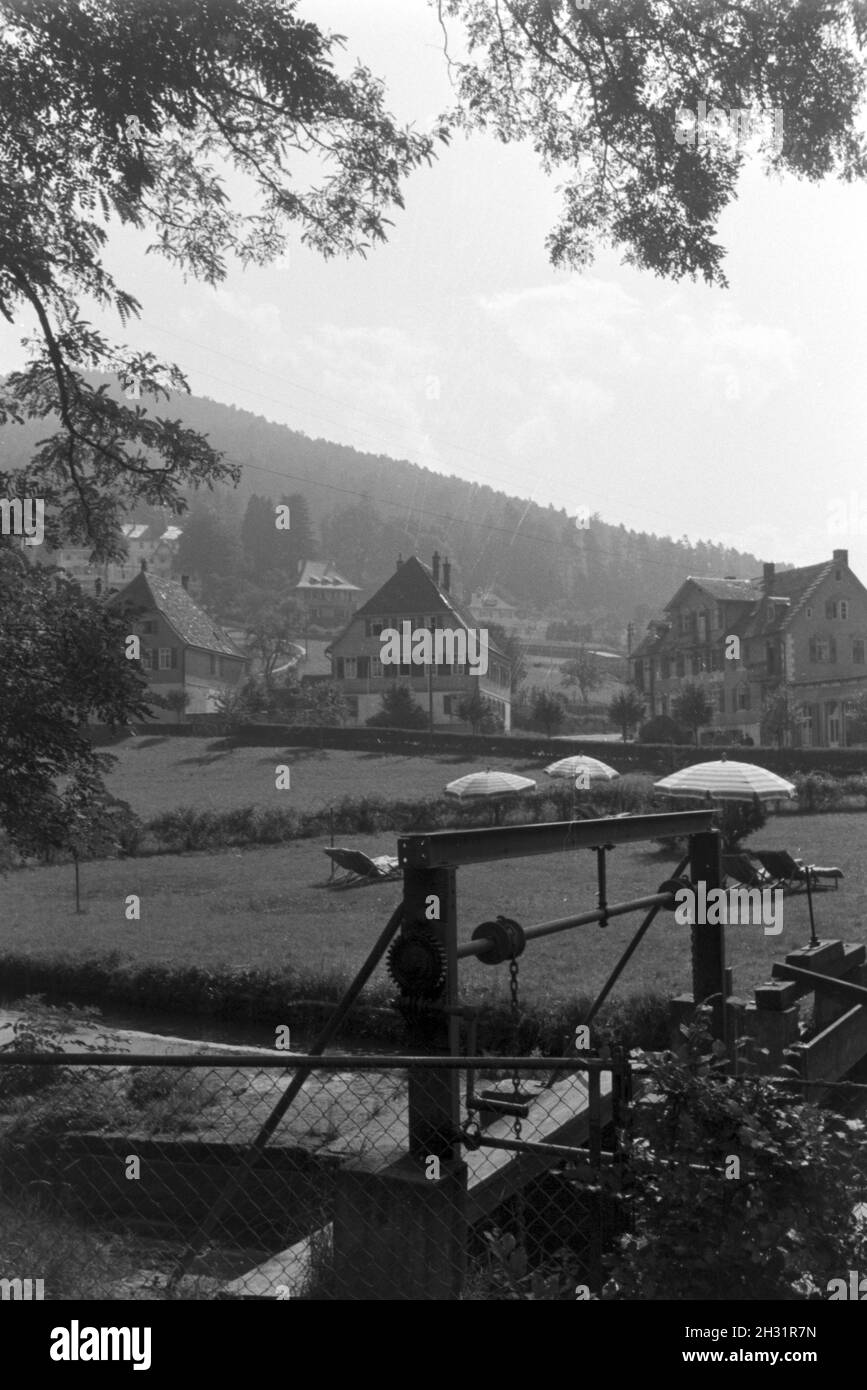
(401, 1233)
(708, 942)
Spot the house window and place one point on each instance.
(697, 664)
(338, 668)
(743, 697)
(406, 669)
(823, 650)
(349, 667)
(716, 660)
(831, 608)
(844, 608)
(149, 626)
(679, 664)
(363, 667)
(447, 704)
(168, 658)
(770, 658)
(666, 668)
(858, 651)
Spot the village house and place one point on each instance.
(421, 596)
(182, 648)
(802, 631)
(326, 597)
(157, 546)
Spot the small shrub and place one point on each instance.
(663, 729)
(817, 792)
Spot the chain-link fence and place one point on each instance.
(148, 1178)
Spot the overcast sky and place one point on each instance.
(733, 415)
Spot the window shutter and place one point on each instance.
(174, 658)
(832, 649)
(340, 668)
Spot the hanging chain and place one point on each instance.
(516, 1021)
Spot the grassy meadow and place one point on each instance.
(270, 909)
(157, 773)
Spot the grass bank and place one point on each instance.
(257, 934)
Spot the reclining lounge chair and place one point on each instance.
(740, 869)
(360, 868)
(793, 872)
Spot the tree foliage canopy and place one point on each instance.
(136, 113)
(62, 661)
(595, 88)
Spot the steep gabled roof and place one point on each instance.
(411, 589)
(725, 590)
(191, 623)
(321, 574)
(793, 585)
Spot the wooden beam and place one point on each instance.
(810, 980)
(456, 847)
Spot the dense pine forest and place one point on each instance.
(366, 509)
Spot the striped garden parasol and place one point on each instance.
(726, 781)
(488, 784)
(581, 763)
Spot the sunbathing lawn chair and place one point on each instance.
(743, 872)
(793, 872)
(360, 868)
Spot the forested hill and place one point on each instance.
(367, 509)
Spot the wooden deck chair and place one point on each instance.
(742, 871)
(793, 872)
(359, 867)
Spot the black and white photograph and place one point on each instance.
(433, 670)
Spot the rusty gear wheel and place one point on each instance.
(417, 962)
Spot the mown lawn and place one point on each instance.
(268, 908)
(157, 773)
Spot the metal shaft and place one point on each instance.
(581, 919)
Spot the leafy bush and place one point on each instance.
(737, 819)
(817, 792)
(399, 711)
(663, 729)
(186, 828)
(779, 1228)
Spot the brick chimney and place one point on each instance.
(842, 557)
(435, 565)
(447, 576)
(185, 581)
